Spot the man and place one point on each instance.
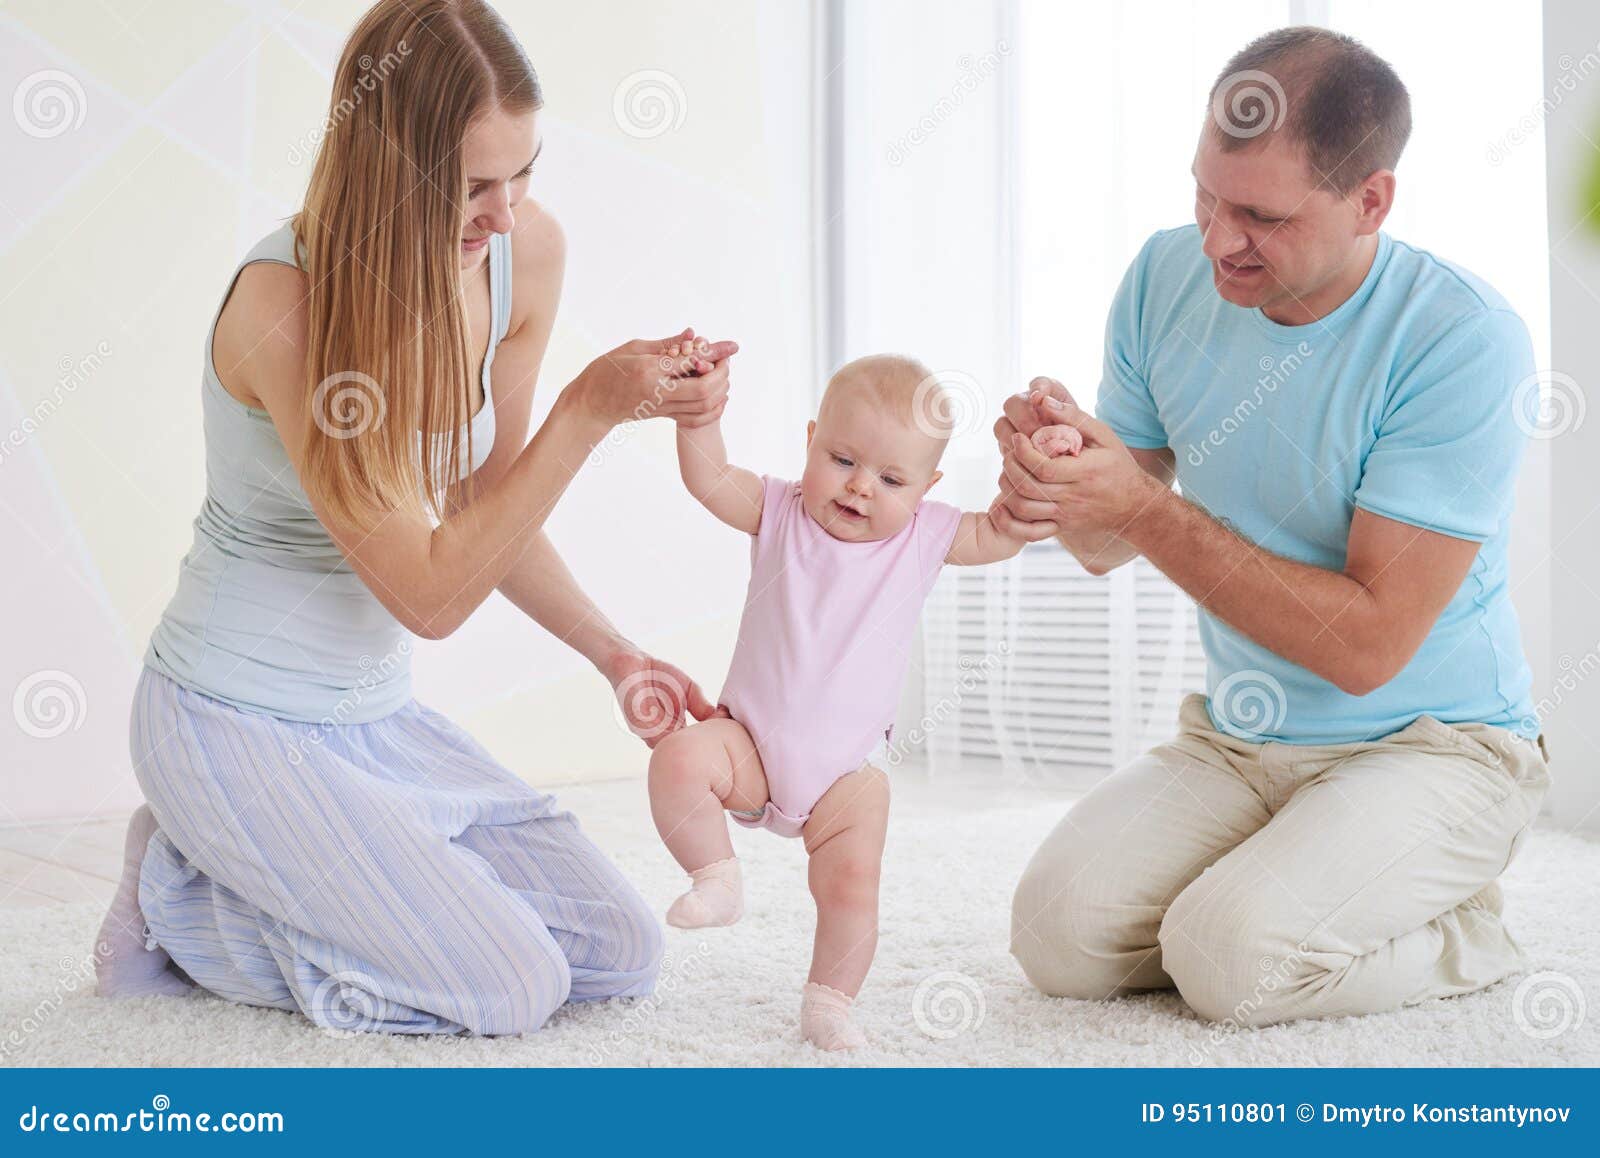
(1324, 834)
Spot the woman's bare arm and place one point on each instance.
(431, 578)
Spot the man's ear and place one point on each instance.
(1373, 199)
(811, 428)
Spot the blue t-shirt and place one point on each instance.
(1398, 402)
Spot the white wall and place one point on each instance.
(118, 233)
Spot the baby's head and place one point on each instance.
(874, 449)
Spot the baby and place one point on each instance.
(841, 563)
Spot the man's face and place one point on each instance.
(1275, 237)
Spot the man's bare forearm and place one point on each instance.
(1322, 620)
(1098, 551)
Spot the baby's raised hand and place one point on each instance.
(695, 357)
(687, 358)
(1055, 441)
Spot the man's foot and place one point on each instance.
(716, 897)
(825, 1019)
(123, 966)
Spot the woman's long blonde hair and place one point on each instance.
(379, 238)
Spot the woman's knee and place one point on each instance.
(637, 942)
(516, 994)
(619, 950)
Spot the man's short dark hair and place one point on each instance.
(1336, 98)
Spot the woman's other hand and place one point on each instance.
(653, 695)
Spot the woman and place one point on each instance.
(315, 839)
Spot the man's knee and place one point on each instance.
(1230, 958)
(1071, 930)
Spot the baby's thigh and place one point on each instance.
(724, 748)
(854, 810)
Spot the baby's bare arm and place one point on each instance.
(979, 540)
(731, 493)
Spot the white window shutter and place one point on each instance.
(1036, 671)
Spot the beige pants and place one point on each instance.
(1275, 881)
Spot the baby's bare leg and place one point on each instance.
(844, 838)
(694, 774)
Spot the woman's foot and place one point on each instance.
(825, 1019)
(124, 967)
(716, 897)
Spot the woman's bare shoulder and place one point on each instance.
(538, 263)
(260, 336)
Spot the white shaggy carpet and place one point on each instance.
(944, 990)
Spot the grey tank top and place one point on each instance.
(268, 616)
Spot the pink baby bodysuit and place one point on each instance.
(824, 645)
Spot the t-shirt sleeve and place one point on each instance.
(775, 493)
(936, 530)
(1124, 401)
(1450, 442)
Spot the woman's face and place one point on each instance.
(499, 150)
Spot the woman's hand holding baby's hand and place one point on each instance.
(654, 695)
(703, 356)
(682, 377)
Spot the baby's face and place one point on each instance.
(866, 470)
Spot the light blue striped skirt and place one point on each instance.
(386, 876)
